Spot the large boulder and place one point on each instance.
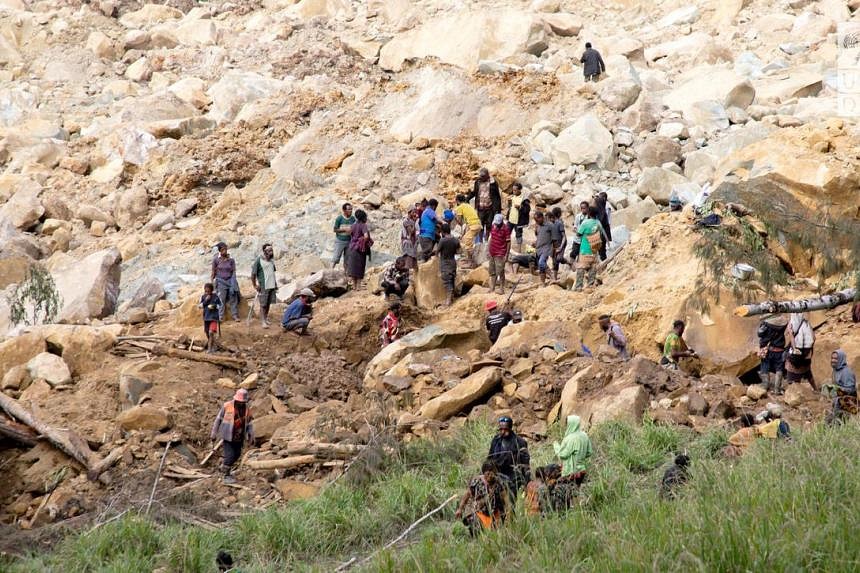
(148, 15)
(658, 184)
(537, 334)
(145, 418)
(89, 287)
(307, 9)
(50, 368)
(464, 394)
(234, 90)
(427, 338)
(710, 83)
(655, 151)
(131, 207)
(584, 142)
(710, 115)
(83, 348)
(150, 291)
(325, 283)
(19, 350)
(427, 285)
(622, 85)
(633, 215)
(465, 39)
(24, 209)
(620, 400)
(788, 85)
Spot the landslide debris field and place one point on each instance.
(135, 136)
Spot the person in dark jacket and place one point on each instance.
(510, 453)
(771, 351)
(592, 63)
(601, 202)
(488, 199)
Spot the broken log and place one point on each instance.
(283, 463)
(327, 451)
(105, 463)
(67, 441)
(17, 432)
(218, 360)
(823, 302)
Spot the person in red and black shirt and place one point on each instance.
(496, 320)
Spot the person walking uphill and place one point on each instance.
(510, 453)
(574, 451)
(592, 63)
(488, 199)
(360, 244)
(265, 282)
(225, 281)
(591, 237)
(234, 425)
(342, 228)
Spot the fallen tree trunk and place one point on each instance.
(17, 432)
(67, 440)
(283, 463)
(225, 361)
(803, 305)
(328, 451)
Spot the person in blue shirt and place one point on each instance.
(428, 230)
(297, 316)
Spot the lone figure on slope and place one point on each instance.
(233, 425)
(592, 63)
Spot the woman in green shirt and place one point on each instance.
(592, 236)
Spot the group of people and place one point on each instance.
(491, 496)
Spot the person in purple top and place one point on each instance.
(226, 284)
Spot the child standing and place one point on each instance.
(211, 305)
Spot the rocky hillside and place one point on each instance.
(133, 137)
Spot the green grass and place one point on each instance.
(782, 507)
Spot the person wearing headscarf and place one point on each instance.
(843, 387)
(801, 340)
(233, 425)
(574, 451)
(360, 244)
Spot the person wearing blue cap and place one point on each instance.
(510, 453)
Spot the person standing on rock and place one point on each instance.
(801, 341)
(519, 210)
(449, 246)
(234, 425)
(488, 199)
(389, 330)
(342, 229)
(592, 63)
(591, 237)
(577, 222)
(360, 243)
(427, 226)
(409, 239)
(614, 335)
(498, 249)
(496, 320)
(225, 281)
(510, 453)
(771, 343)
(545, 246)
(297, 316)
(265, 282)
(675, 348)
(211, 305)
(574, 451)
(467, 217)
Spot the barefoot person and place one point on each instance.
(342, 227)
(234, 426)
(265, 282)
(298, 314)
(211, 305)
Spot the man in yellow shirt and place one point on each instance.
(468, 217)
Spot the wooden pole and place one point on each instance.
(218, 360)
(823, 302)
(16, 432)
(283, 463)
(157, 475)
